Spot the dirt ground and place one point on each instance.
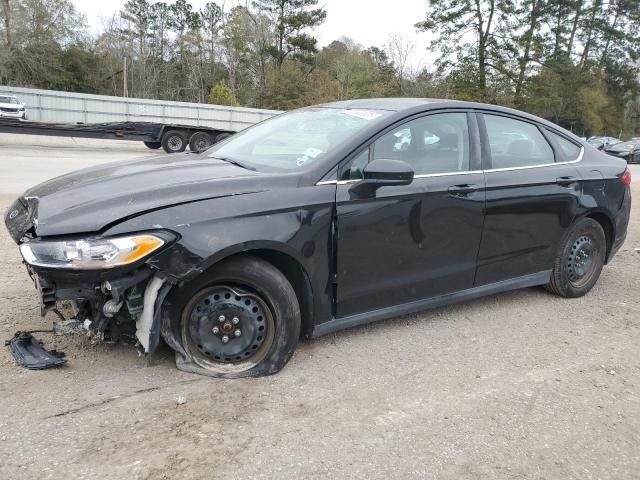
(518, 385)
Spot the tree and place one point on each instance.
(399, 49)
(211, 17)
(6, 12)
(221, 94)
(291, 18)
(452, 21)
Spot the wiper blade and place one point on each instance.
(234, 162)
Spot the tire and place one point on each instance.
(153, 145)
(200, 141)
(249, 301)
(222, 136)
(174, 141)
(580, 259)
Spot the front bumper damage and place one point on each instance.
(107, 306)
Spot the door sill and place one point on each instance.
(336, 324)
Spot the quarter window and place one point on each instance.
(355, 168)
(515, 143)
(431, 144)
(567, 150)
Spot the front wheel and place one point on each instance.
(241, 320)
(580, 259)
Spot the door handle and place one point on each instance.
(463, 189)
(566, 180)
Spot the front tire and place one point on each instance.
(240, 320)
(580, 260)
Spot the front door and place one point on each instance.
(417, 241)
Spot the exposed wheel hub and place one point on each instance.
(227, 324)
(581, 258)
(202, 144)
(175, 143)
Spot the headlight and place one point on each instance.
(90, 254)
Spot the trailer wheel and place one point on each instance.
(223, 136)
(200, 141)
(153, 145)
(174, 141)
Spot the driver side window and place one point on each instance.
(431, 144)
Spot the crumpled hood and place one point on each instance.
(90, 199)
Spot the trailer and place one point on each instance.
(172, 138)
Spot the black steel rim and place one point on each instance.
(582, 262)
(227, 327)
(175, 143)
(202, 144)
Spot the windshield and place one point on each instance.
(8, 100)
(294, 140)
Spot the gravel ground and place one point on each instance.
(518, 385)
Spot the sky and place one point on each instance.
(365, 21)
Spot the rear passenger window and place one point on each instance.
(566, 150)
(432, 144)
(516, 144)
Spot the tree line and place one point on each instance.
(575, 62)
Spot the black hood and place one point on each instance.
(88, 200)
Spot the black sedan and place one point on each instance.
(602, 142)
(629, 151)
(321, 219)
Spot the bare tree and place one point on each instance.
(399, 49)
(6, 11)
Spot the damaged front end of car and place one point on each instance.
(101, 286)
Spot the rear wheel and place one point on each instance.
(174, 141)
(580, 260)
(153, 145)
(241, 320)
(200, 141)
(222, 136)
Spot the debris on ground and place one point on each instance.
(29, 353)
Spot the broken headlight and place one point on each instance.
(90, 254)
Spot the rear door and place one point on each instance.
(532, 196)
(414, 241)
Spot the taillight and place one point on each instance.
(626, 177)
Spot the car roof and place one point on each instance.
(408, 106)
(392, 104)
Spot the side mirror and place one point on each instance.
(381, 173)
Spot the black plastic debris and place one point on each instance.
(28, 352)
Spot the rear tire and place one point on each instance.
(153, 145)
(200, 141)
(174, 141)
(222, 136)
(580, 259)
(248, 301)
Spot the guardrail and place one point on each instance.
(70, 107)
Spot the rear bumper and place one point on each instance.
(622, 222)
